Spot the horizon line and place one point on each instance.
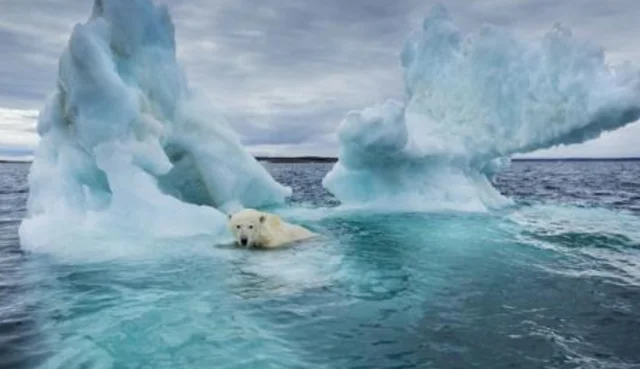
(320, 158)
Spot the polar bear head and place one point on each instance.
(250, 227)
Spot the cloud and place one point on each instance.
(17, 130)
(285, 72)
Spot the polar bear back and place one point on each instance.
(281, 232)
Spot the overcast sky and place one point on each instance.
(286, 71)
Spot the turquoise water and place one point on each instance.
(552, 283)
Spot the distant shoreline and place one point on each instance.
(323, 159)
(4, 161)
(297, 159)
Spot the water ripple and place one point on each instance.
(554, 282)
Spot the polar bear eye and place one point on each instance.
(238, 226)
(250, 227)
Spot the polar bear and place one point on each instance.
(252, 228)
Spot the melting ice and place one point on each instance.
(473, 100)
(126, 144)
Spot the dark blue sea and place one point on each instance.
(551, 282)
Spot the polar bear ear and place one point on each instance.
(263, 218)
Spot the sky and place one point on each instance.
(285, 72)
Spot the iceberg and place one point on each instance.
(471, 102)
(125, 140)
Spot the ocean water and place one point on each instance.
(553, 282)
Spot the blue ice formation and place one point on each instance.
(472, 101)
(124, 139)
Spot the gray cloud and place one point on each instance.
(285, 72)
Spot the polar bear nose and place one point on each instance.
(243, 241)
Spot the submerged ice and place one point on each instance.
(472, 101)
(125, 140)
